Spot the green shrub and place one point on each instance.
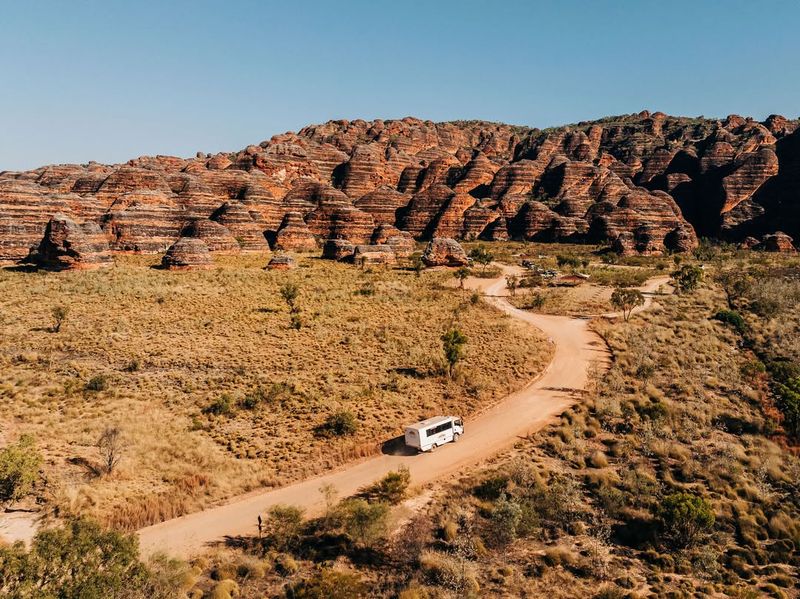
(363, 521)
(80, 560)
(19, 468)
(392, 487)
(283, 526)
(503, 521)
(687, 278)
(339, 424)
(221, 406)
(732, 318)
(98, 382)
(685, 518)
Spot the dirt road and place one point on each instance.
(521, 413)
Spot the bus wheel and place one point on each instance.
(455, 437)
(433, 447)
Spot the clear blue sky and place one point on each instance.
(115, 79)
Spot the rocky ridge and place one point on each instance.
(647, 183)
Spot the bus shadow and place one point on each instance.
(397, 446)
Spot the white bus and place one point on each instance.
(433, 432)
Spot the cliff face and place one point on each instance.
(655, 180)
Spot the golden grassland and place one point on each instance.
(160, 347)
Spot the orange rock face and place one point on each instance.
(661, 179)
(69, 246)
(188, 253)
(294, 234)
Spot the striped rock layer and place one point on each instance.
(657, 181)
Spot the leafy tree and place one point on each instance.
(512, 282)
(327, 583)
(453, 344)
(363, 521)
(461, 274)
(82, 561)
(59, 316)
(685, 518)
(687, 278)
(283, 526)
(19, 469)
(290, 292)
(626, 300)
(481, 255)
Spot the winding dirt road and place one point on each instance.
(519, 414)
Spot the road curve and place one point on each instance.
(519, 414)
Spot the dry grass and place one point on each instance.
(170, 344)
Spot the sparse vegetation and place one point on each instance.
(59, 314)
(218, 373)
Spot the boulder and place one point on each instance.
(281, 262)
(338, 249)
(778, 242)
(366, 255)
(188, 253)
(442, 251)
(68, 245)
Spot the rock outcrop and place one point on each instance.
(444, 252)
(661, 181)
(778, 242)
(281, 262)
(68, 245)
(369, 255)
(338, 249)
(188, 253)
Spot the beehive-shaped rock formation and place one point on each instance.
(188, 253)
(68, 245)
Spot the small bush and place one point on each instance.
(685, 518)
(363, 521)
(327, 583)
(98, 382)
(221, 406)
(598, 460)
(449, 572)
(732, 318)
(225, 589)
(392, 487)
(285, 564)
(283, 526)
(339, 424)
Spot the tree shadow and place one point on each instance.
(91, 469)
